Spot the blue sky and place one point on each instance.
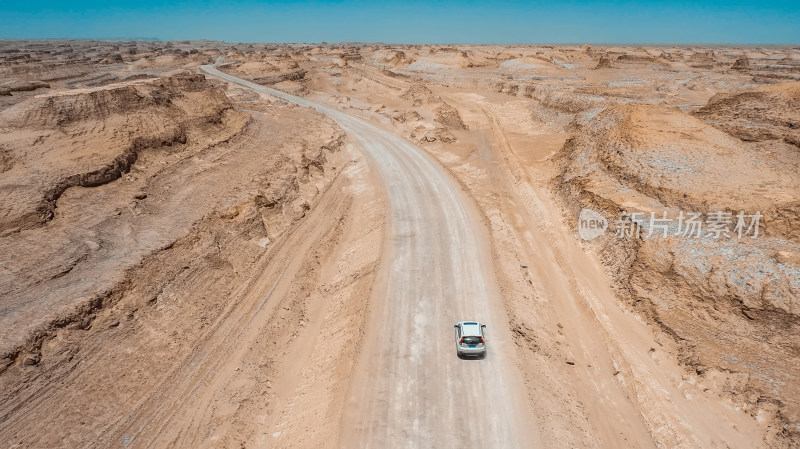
(409, 21)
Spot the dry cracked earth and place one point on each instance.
(187, 261)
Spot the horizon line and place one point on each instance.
(572, 44)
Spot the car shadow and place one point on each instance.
(471, 357)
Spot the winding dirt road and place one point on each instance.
(410, 389)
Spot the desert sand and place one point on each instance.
(206, 244)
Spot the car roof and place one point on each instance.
(470, 328)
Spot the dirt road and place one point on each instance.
(410, 389)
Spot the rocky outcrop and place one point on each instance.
(760, 114)
(399, 58)
(419, 94)
(91, 137)
(721, 299)
(701, 59)
(604, 63)
(438, 134)
(296, 75)
(449, 117)
(114, 58)
(742, 64)
(26, 86)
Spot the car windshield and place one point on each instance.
(471, 340)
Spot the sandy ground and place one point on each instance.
(193, 261)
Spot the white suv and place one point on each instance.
(470, 338)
